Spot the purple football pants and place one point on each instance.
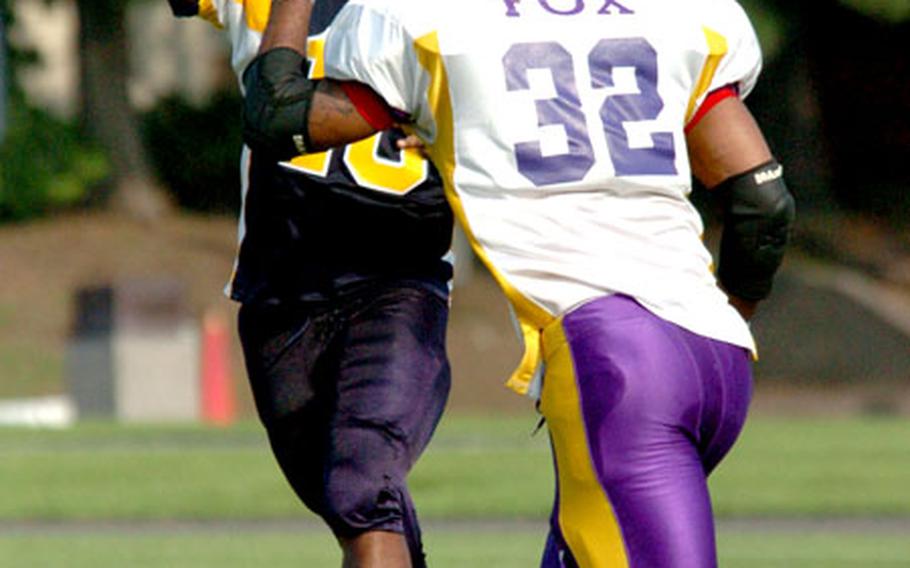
(350, 393)
(640, 411)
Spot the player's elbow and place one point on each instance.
(277, 99)
(759, 214)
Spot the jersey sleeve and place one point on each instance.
(370, 106)
(369, 44)
(710, 101)
(741, 64)
(208, 10)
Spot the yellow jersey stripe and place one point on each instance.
(256, 13)
(532, 318)
(209, 13)
(586, 517)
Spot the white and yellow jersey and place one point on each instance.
(558, 127)
(322, 223)
(242, 20)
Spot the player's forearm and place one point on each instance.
(334, 119)
(729, 153)
(288, 26)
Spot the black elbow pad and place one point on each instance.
(276, 103)
(758, 214)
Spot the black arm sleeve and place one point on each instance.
(276, 103)
(758, 214)
(184, 8)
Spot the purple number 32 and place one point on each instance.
(565, 109)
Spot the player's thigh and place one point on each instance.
(289, 374)
(393, 373)
(284, 350)
(729, 394)
(621, 402)
(392, 385)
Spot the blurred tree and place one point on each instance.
(861, 65)
(201, 175)
(893, 11)
(46, 164)
(2, 79)
(106, 112)
(785, 102)
(833, 100)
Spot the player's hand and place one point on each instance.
(746, 308)
(412, 142)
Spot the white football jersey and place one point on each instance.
(558, 126)
(313, 252)
(243, 21)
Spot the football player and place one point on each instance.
(567, 133)
(343, 277)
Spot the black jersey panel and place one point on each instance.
(306, 237)
(323, 13)
(310, 236)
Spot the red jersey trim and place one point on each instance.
(712, 99)
(370, 106)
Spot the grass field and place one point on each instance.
(445, 550)
(487, 470)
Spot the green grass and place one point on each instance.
(503, 456)
(445, 550)
(100, 471)
(274, 551)
(813, 551)
(172, 551)
(476, 468)
(793, 468)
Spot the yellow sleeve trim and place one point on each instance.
(256, 13)
(717, 49)
(209, 13)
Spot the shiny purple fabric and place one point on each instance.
(661, 407)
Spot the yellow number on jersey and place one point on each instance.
(369, 169)
(375, 172)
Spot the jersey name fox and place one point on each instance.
(558, 126)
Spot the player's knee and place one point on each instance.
(354, 504)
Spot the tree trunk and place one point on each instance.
(106, 112)
(2, 78)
